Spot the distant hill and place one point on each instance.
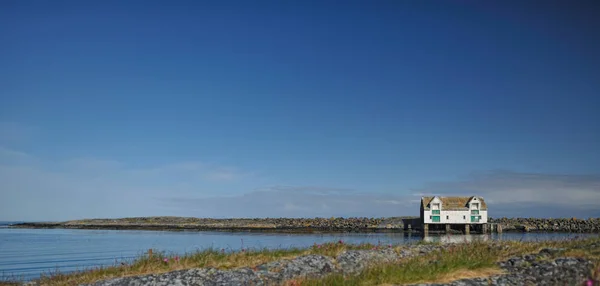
(7, 223)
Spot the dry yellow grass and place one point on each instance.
(460, 274)
(465, 274)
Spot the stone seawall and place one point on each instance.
(258, 224)
(591, 225)
(392, 224)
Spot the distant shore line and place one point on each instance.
(309, 225)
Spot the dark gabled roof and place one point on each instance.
(453, 203)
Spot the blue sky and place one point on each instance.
(297, 108)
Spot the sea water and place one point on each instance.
(27, 253)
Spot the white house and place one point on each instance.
(453, 210)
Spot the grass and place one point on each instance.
(443, 265)
(465, 260)
(468, 260)
(9, 280)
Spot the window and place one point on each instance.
(475, 212)
(435, 211)
(436, 218)
(435, 206)
(464, 217)
(475, 205)
(447, 217)
(475, 218)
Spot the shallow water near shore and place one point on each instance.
(26, 253)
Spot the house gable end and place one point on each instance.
(453, 203)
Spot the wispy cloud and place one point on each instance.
(309, 189)
(531, 194)
(296, 201)
(8, 155)
(12, 132)
(34, 188)
(226, 174)
(508, 193)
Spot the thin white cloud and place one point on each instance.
(7, 154)
(36, 189)
(225, 174)
(308, 189)
(392, 202)
(510, 192)
(281, 202)
(89, 163)
(13, 132)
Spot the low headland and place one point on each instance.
(563, 262)
(391, 224)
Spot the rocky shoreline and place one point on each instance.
(392, 224)
(547, 267)
(277, 272)
(535, 269)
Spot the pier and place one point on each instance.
(481, 228)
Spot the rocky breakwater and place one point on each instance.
(184, 223)
(590, 225)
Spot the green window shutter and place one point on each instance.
(436, 219)
(435, 212)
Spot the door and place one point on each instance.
(436, 218)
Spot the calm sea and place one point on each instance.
(26, 253)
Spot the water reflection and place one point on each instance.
(459, 238)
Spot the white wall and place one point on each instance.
(458, 217)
